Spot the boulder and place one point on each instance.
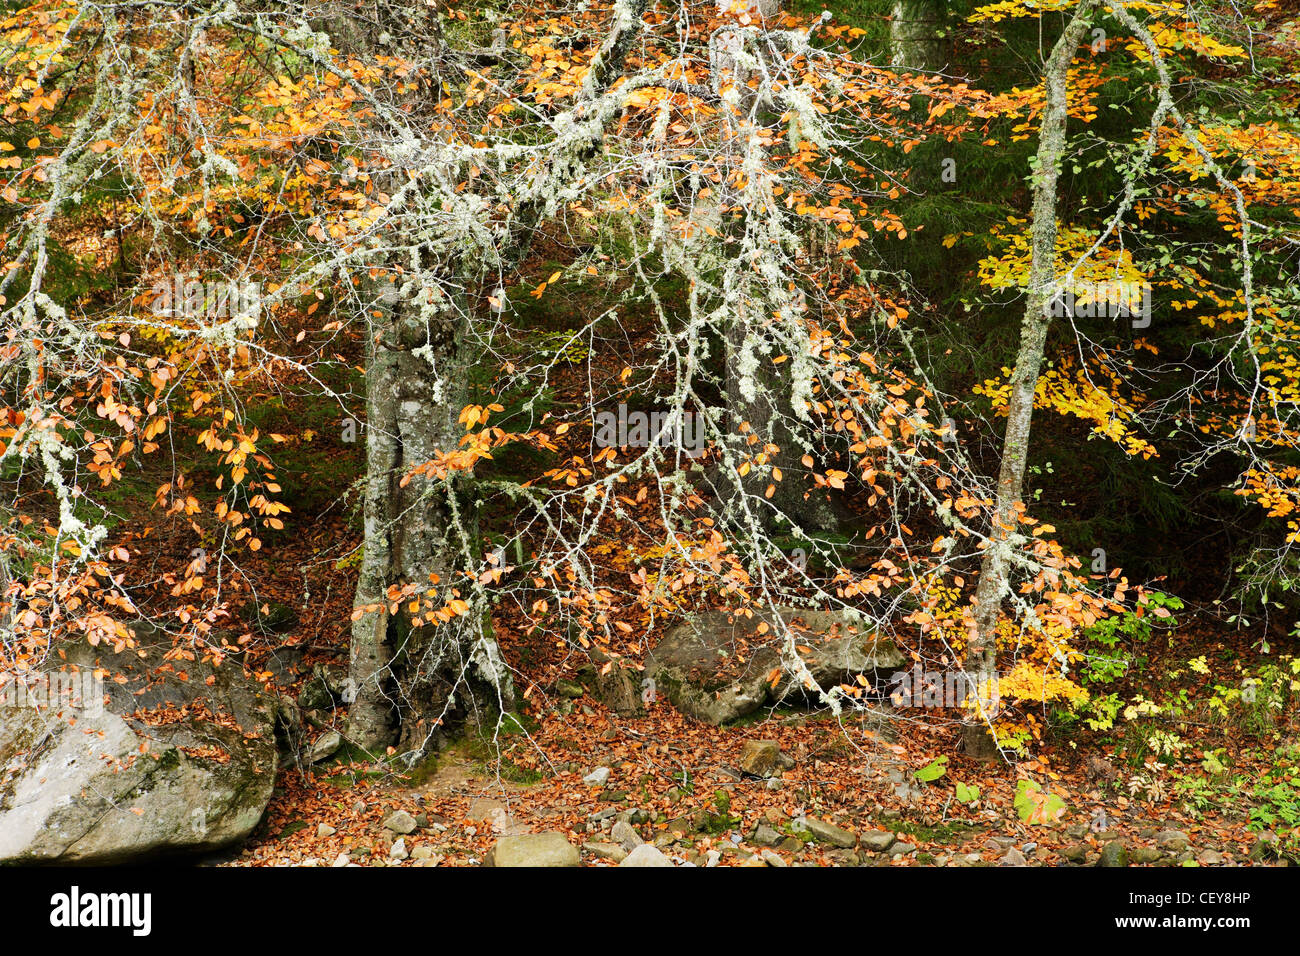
(717, 667)
(533, 849)
(646, 855)
(1113, 854)
(617, 687)
(760, 758)
(824, 832)
(401, 822)
(181, 759)
(1172, 841)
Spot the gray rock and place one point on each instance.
(1114, 854)
(1172, 841)
(322, 689)
(619, 688)
(625, 835)
(1013, 857)
(1145, 854)
(398, 850)
(606, 851)
(326, 745)
(533, 849)
(1209, 857)
(877, 841)
(646, 855)
(764, 835)
(1075, 852)
(399, 821)
(113, 789)
(597, 778)
(695, 664)
(824, 832)
(325, 830)
(772, 858)
(902, 849)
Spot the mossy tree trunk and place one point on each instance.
(409, 677)
(994, 580)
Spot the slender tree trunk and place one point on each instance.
(918, 35)
(994, 580)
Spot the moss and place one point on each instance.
(949, 831)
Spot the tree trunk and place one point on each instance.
(794, 497)
(918, 35)
(994, 581)
(408, 679)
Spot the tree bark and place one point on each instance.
(918, 35)
(994, 581)
(409, 678)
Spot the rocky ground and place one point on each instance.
(797, 790)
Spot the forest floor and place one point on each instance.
(1199, 792)
(850, 796)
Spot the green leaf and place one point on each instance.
(933, 770)
(1033, 805)
(967, 794)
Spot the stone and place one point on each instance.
(1266, 846)
(1114, 854)
(877, 841)
(824, 832)
(1013, 857)
(597, 778)
(325, 830)
(773, 859)
(1075, 852)
(341, 860)
(760, 758)
(617, 687)
(1172, 841)
(113, 789)
(1209, 857)
(422, 853)
(646, 855)
(902, 849)
(1145, 854)
(764, 835)
(322, 689)
(567, 688)
(695, 665)
(399, 821)
(625, 835)
(550, 849)
(606, 851)
(398, 850)
(326, 746)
